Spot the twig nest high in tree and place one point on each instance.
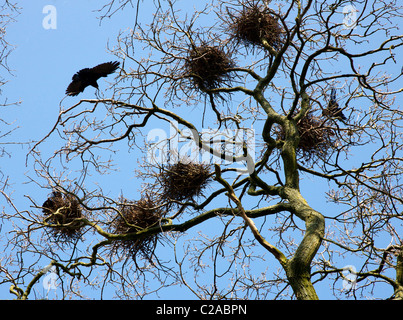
(63, 212)
(255, 23)
(209, 67)
(184, 181)
(136, 216)
(316, 139)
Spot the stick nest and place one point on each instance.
(136, 216)
(209, 67)
(63, 212)
(315, 138)
(255, 23)
(184, 181)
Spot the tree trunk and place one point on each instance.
(298, 268)
(398, 294)
(299, 278)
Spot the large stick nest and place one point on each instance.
(183, 181)
(209, 67)
(136, 216)
(316, 139)
(63, 213)
(255, 23)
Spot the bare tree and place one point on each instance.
(8, 13)
(258, 64)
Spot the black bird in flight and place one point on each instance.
(333, 110)
(89, 76)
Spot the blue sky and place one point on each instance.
(43, 63)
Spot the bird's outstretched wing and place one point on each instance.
(333, 94)
(77, 85)
(103, 69)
